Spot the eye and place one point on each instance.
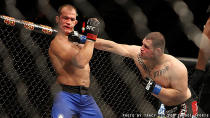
(65, 18)
(72, 19)
(145, 46)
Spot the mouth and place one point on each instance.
(68, 27)
(141, 54)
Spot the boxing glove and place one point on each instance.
(92, 29)
(76, 37)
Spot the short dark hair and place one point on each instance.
(158, 40)
(66, 5)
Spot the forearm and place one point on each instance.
(202, 60)
(204, 52)
(102, 44)
(170, 96)
(167, 96)
(111, 46)
(85, 54)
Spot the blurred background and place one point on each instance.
(125, 21)
(27, 77)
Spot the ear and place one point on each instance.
(158, 51)
(57, 19)
(76, 22)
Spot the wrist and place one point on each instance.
(199, 70)
(91, 36)
(151, 86)
(157, 89)
(83, 39)
(200, 66)
(90, 42)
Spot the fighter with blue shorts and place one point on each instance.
(71, 62)
(75, 101)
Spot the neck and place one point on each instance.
(155, 61)
(61, 32)
(62, 35)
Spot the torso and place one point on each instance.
(159, 73)
(67, 72)
(162, 74)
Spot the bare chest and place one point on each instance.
(76, 46)
(160, 74)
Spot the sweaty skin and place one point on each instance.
(164, 69)
(70, 60)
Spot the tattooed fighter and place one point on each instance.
(164, 76)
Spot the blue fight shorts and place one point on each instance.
(68, 104)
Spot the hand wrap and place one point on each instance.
(151, 86)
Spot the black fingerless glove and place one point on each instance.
(76, 37)
(151, 86)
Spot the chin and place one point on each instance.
(67, 32)
(141, 55)
(143, 58)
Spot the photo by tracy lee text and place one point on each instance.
(138, 115)
(155, 115)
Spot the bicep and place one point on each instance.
(180, 80)
(131, 50)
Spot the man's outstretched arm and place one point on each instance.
(120, 49)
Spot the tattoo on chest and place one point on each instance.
(160, 72)
(142, 64)
(146, 69)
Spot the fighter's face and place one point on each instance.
(67, 20)
(147, 50)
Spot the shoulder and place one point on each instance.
(177, 66)
(134, 48)
(59, 46)
(134, 51)
(52, 44)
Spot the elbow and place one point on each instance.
(127, 55)
(172, 99)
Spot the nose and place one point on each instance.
(68, 22)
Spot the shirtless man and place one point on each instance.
(163, 75)
(71, 62)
